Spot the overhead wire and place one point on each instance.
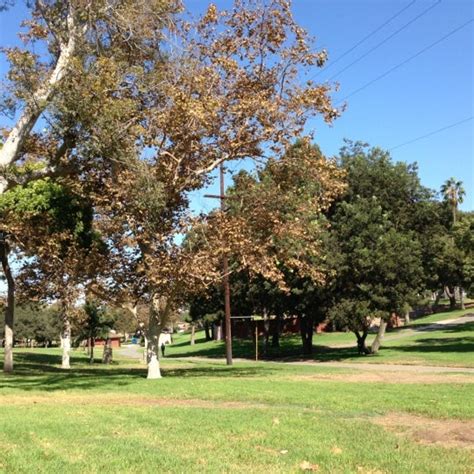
(365, 38)
(434, 132)
(397, 66)
(388, 38)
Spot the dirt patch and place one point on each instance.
(391, 378)
(447, 433)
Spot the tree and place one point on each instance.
(377, 225)
(83, 45)
(37, 323)
(74, 96)
(226, 89)
(453, 195)
(10, 303)
(51, 226)
(277, 231)
(355, 315)
(381, 266)
(452, 260)
(95, 322)
(464, 238)
(229, 93)
(205, 306)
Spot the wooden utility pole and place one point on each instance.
(225, 276)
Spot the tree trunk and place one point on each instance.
(218, 336)
(306, 330)
(461, 298)
(361, 347)
(145, 349)
(407, 318)
(451, 293)
(276, 331)
(9, 310)
(207, 332)
(91, 352)
(159, 314)
(266, 332)
(107, 355)
(66, 341)
(378, 340)
(193, 334)
(152, 348)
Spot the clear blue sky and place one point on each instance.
(430, 92)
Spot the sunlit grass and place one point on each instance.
(207, 417)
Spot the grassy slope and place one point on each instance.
(111, 419)
(447, 346)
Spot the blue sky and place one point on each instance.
(432, 91)
(426, 94)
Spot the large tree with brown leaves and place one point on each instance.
(141, 106)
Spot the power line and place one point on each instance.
(395, 33)
(432, 133)
(386, 73)
(365, 38)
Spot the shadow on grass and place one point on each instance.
(39, 372)
(290, 350)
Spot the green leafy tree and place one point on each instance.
(95, 323)
(377, 227)
(38, 323)
(381, 267)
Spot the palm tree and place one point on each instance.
(453, 194)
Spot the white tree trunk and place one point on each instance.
(152, 347)
(159, 313)
(66, 342)
(154, 367)
(152, 354)
(8, 349)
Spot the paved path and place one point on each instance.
(132, 351)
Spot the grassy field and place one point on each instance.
(450, 346)
(253, 417)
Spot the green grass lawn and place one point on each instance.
(436, 317)
(206, 417)
(450, 346)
